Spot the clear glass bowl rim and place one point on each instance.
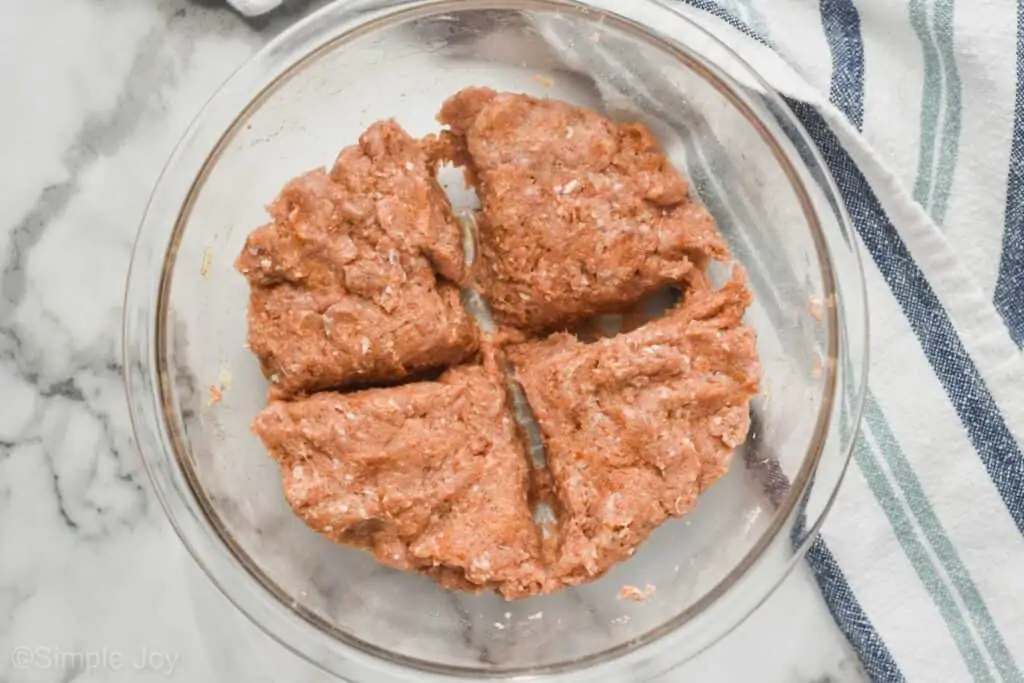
(145, 309)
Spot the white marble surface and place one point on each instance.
(94, 585)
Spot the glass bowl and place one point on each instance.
(194, 387)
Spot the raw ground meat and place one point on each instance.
(356, 282)
(353, 281)
(579, 215)
(427, 476)
(637, 426)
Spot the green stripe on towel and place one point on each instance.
(941, 107)
(949, 147)
(919, 559)
(921, 508)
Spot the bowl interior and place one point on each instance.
(403, 68)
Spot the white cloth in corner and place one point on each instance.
(253, 8)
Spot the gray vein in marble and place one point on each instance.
(84, 560)
(268, 24)
(93, 384)
(12, 598)
(103, 135)
(100, 135)
(63, 395)
(466, 628)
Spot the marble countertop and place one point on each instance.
(94, 584)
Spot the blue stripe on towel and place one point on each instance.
(716, 10)
(955, 369)
(850, 618)
(841, 23)
(836, 591)
(935, 331)
(1009, 294)
(839, 596)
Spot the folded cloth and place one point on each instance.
(252, 8)
(918, 110)
(920, 119)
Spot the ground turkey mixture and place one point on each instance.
(353, 281)
(580, 215)
(636, 426)
(356, 283)
(427, 476)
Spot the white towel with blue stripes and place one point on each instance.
(920, 118)
(918, 110)
(915, 109)
(917, 106)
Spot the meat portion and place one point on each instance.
(353, 281)
(427, 476)
(637, 426)
(579, 215)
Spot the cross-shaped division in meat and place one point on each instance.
(355, 283)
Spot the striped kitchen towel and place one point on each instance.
(917, 111)
(917, 107)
